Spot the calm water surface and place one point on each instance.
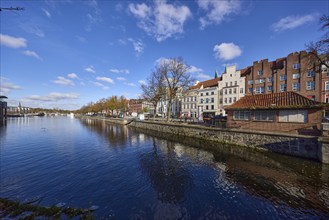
(133, 174)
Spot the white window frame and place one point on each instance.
(295, 86)
(241, 115)
(250, 82)
(326, 85)
(264, 115)
(270, 79)
(260, 72)
(296, 75)
(310, 85)
(283, 87)
(293, 116)
(310, 73)
(270, 88)
(283, 77)
(296, 66)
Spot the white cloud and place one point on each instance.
(203, 76)
(217, 11)
(63, 81)
(13, 42)
(31, 53)
(291, 22)
(227, 51)
(161, 20)
(81, 39)
(90, 69)
(47, 13)
(121, 78)
(125, 71)
(94, 15)
(194, 69)
(72, 76)
(6, 87)
(105, 79)
(138, 46)
(54, 96)
(130, 84)
(98, 84)
(32, 28)
(142, 82)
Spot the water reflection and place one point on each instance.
(169, 176)
(296, 183)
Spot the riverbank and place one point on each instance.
(10, 209)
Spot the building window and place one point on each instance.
(260, 90)
(226, 84)
(283, 77)
(250, 82)
(241, 90)
(264, 115)
(231, 83)
(326, 85)
(270, 79)
(250, 90)
(212, 107)
(296, 76)
(310, 85)
(201, 101)
(296, 66)
(230, 91)
(295, 87)
(201, 94)
(234, 91)
(283, 87)
(270, 88)
(234, 99)
(235, 83)
(258, 81)
(207, 93)
(225, 91)
(207, 100)
(212, 93)
(310, 74)
(293, 116)
(225, 100)
(206, 107)
(241, 115)
(212, 100)
(260, 72)
(230, 100)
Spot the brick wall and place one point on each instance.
(312, 127)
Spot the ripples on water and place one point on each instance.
(134, 174)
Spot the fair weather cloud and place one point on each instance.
(138, 46)
(105, 79)
(98, 84)
(160, 19)
(46, 12)
(217, 11)
(31, 53)
(72, 76)
(226, 51)
(121, 78)
(142, 82)
(194, 69)
(90, 69)
(203, 76)
(125, 71)
(130, 84)
(292, 22)
(13, 42)
(63, 81)
(54, 96)
(6, 86)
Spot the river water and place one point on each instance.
(134, 174)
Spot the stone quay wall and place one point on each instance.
(315, 148)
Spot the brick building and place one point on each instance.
(296, 72)
(287, 112)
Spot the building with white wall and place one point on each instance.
(231, 87)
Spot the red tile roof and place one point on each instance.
(274, 101)
(207, 83)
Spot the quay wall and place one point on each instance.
(310, 147)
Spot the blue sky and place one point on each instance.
(64, 54)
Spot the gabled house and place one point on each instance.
(287, 112)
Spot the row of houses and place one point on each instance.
(286, 95)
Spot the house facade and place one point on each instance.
(139, 106)
(287, 112)
(189, 104)
(296, 72)
(231, 88)
(325, 83)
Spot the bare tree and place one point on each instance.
(176, 76)
(154, 88)
(320, 49)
